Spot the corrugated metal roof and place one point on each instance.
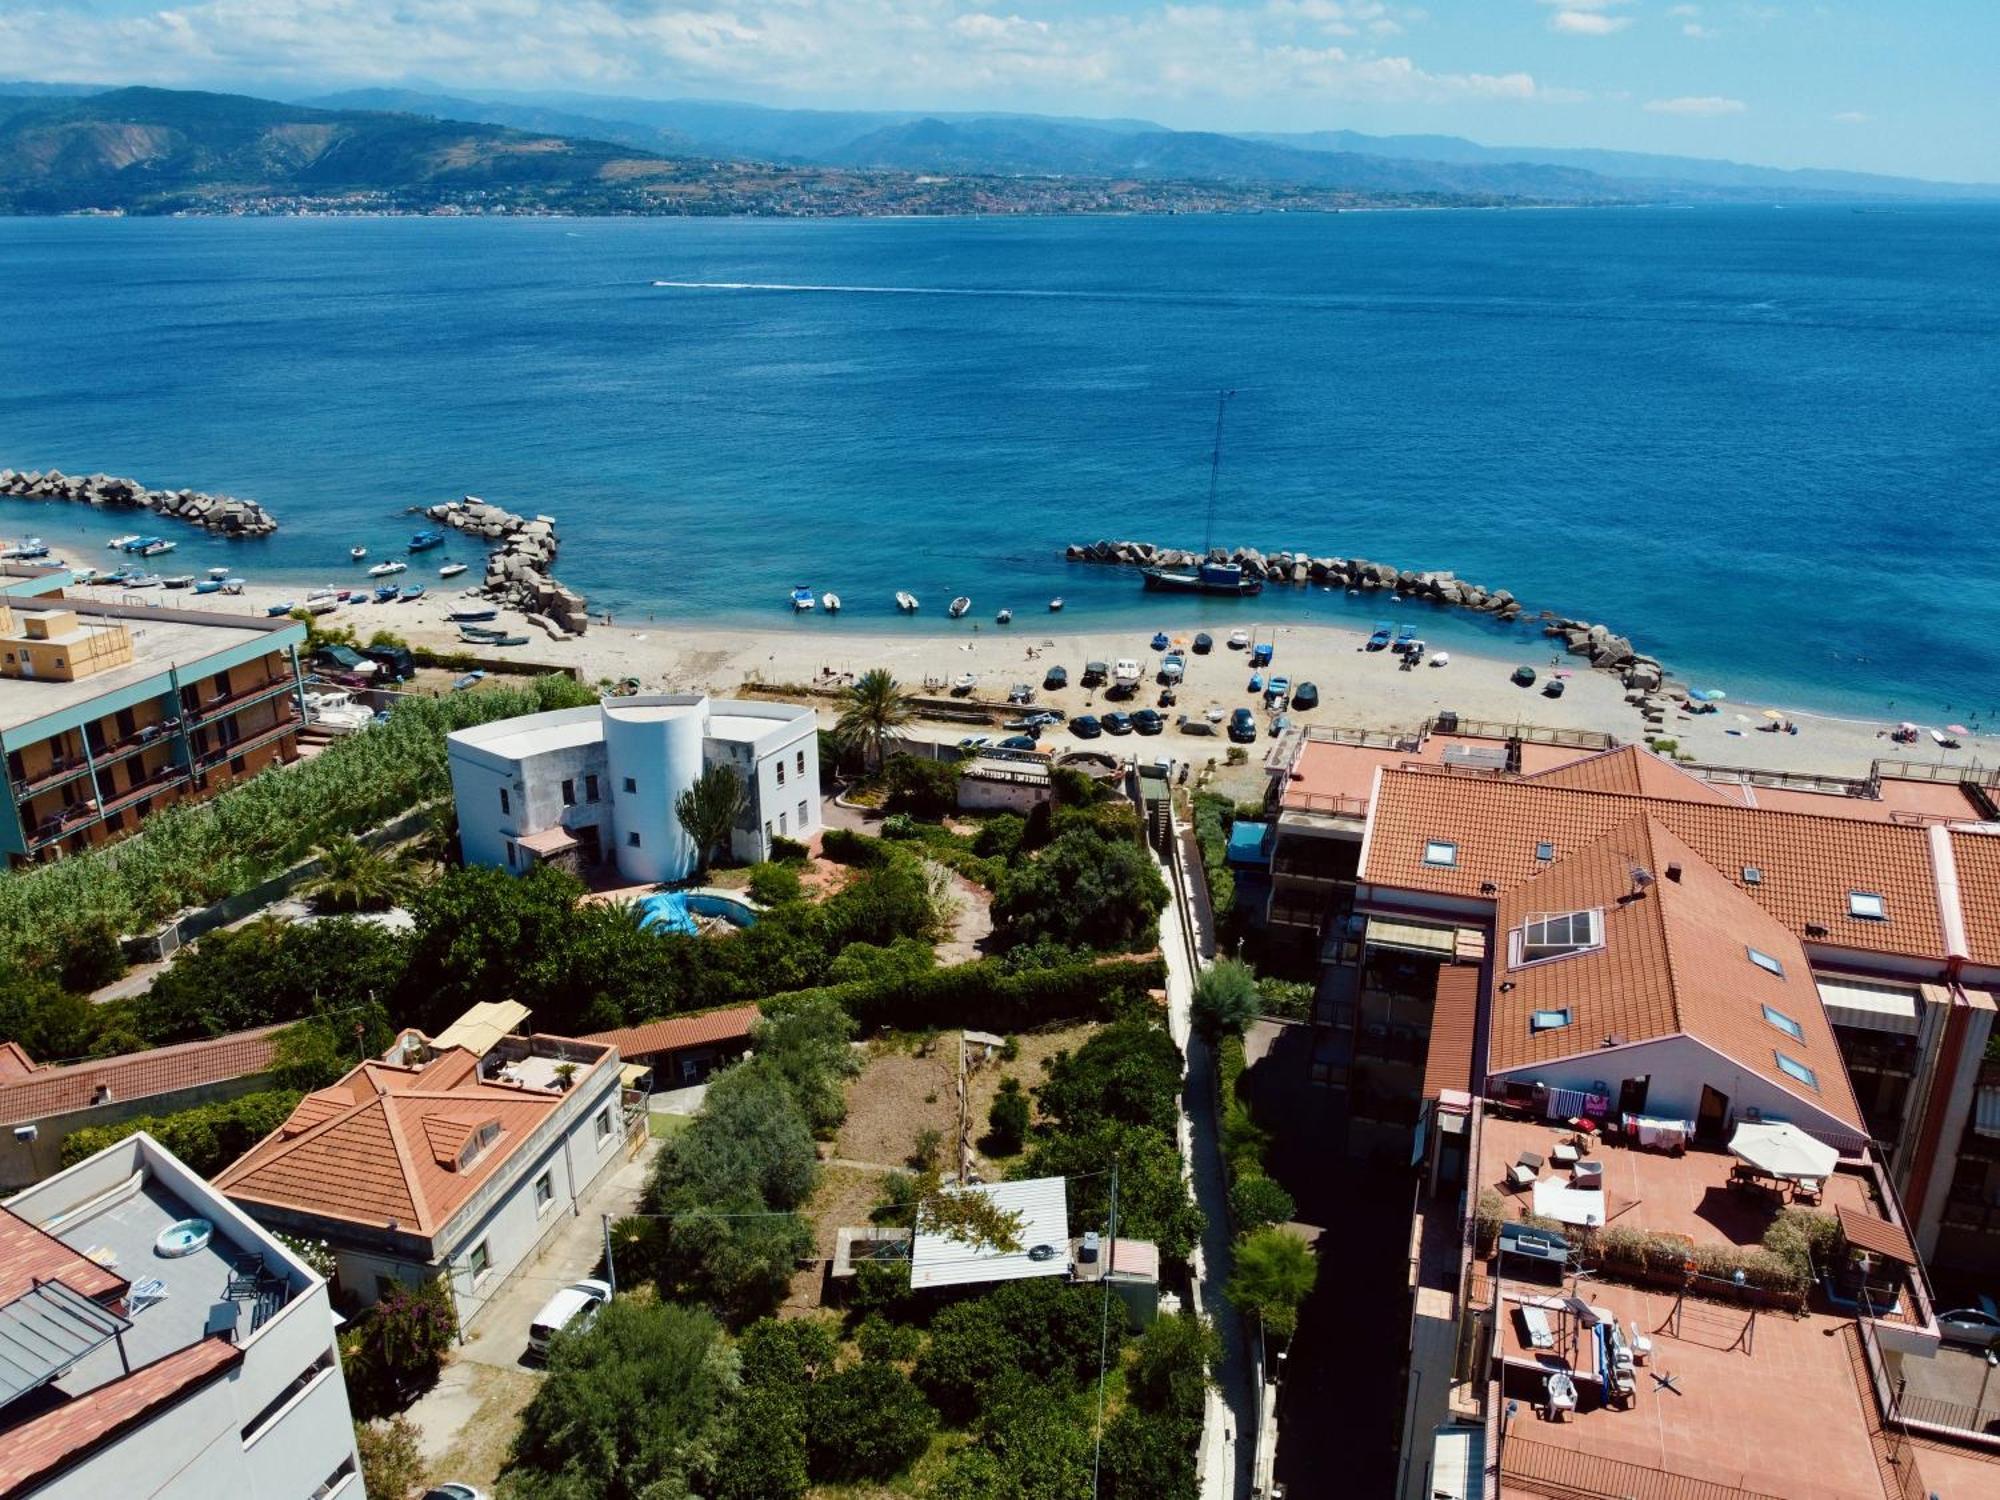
(1042, 1203)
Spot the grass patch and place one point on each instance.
(664, 1127)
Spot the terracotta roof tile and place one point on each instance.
(1631, 769)
(1675, 960)
(1977, 856)
(1808, 863)
(29, 1254)
(366, 1150)
(1454, 1031)
(137, 1075)
(1876, 1236)
(66, 1434)
(675, 1032)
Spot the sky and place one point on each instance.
(1900, 86)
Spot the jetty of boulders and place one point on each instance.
(222, 514)
(1605, 650)
(518, 565)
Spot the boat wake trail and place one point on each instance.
(874, 291)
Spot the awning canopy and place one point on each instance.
(1782, 1150)
(1866, 1005)
(1412, 937)
(1876, 1236)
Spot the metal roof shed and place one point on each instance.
(1043, 1205)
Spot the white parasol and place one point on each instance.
(1781, 1150)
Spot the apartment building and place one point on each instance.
(109, 712)
(156, 1341)
(454, 1158)
(580, 787)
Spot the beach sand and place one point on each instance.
(1358, 688)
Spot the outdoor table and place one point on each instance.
(1565, 1154)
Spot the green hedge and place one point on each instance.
(1255, 1198)
(983, 995)
(1212, 817)
(195, 853)
(208, 1137)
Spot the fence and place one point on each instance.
(1570, 1474)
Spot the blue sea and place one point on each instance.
(1764, 443)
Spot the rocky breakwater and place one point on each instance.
(223, 514)
(1606, 651)
(519, 563)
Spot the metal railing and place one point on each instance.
(1544, 1469)
(1337, 803)
(1530, 734)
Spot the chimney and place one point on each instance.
(1674, 874)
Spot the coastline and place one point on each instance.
(1358, 688)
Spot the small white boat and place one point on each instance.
(157, 548)
(384, 569)
(218, 573)
(964, 682)
(178, 581)
(122, 541)
(906, 602)
(336, 713)
(959, 606)
(147, 581)
(451, 570)
(830, 602)
(1442, 659)
(802, 598)
(1005, 617)
(357, 553)
(1055, 605)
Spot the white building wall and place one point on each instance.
(483, 766)
(654, 755)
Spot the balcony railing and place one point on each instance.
(1335, 804)
(1572, 1474)
(229, 702)
(53, 830)
(287, 724)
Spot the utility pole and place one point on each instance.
(1104, 1328)
(610, 1266)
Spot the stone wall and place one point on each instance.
(218, 513)
(518, 566)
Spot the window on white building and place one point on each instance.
(590, 788)
(545, 1192)
(510, 854)
(802, 815)
(602, 1125)
(781, 823)
(569, 792)
(479, 1262)
(631, 785)
(505, 806)
(631, 840)
(781, 773)
(802, 763)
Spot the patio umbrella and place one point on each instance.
(1782, 1150)
(1772, 713)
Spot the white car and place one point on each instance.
(1238, 639)
(1977, 1326)
(451, 1489)
(572, 1307)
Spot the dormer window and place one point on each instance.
(1559, 934)
(477, 1144)
(1867, 905)
(1441, 852)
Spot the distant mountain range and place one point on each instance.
(67, 148)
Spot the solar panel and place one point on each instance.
(45, 1331)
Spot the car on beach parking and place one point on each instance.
(1243, 726)
(1019, 742)
(1094, 672)
(1148, 721)
(976, 742)
(1117, 724)
(1085, 727)
(1189, 724)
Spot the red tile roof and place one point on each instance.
(14, 1060)
(675, 1032)
(371, 1148)
(136, 1075)
(66, 1434)
(1808, 863)
(1631, 769)
(1454, 1031)
(1674, 962)
(1977, 856)
(29, 1254)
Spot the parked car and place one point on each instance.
(572, 1307)
(1977, 1326)
(1019, 742)
(976, 742)
(1148, 721)
(1028, 724)
(1305, 695)
(1085, 727)
(344, 659)
(1203, 644)
(1117, 724)
(451, 1489)
(1190, 724)
(1243, 726)
(1057, 677)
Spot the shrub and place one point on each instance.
(789, 851)
(866, 1422)
(207, 1137)
(786, 1353)
(984, 995)
(1086, 891)
(1237, 756)
(899, 826)
(1007, 1118)
(391, 1464)
(865, 963)
(1275, 1272)
(921, 787)
(845, 846)
(762, 1454)
(884, 1342)
(1226, 999)
(1212, 817)
(880, 1286)
(999, 837)
(1130, 1072)
(1255, 1200)
(395, 1351)
(1287, 999)
(92, 958)
(1043, 1329)
(773, 884)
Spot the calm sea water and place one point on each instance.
(1764, 443)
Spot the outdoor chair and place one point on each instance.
(1521, 1175)
(1806, 1189)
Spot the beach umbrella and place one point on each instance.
(1707, 695)
(1958, 729)
(1772, 713)
(1782, 1150)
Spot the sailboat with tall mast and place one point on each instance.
(1208, 576)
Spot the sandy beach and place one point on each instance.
(1358, 688)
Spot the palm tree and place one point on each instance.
(354, 877)
(877, 706)
(708, 809)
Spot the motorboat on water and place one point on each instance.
(423, 541)
(123, 541)
(1005, 617)
(451, 570)
(802, 598)
(137, 543)
(906, 601)
(1055, 605)
(157, 547)
(385, 569)
(357, 553)
(959, 606)
(830, 602)
(219, 573)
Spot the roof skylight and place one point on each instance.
(1441, 852)
(1764, 961)
(1867, 905)
(1549, 1020)
(1784, 1023)
(1791, 1067)
(1560, 934)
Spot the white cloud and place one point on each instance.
(1852, 117)
(1683, 10)
(1698, 31)
(893, 53)
(1587, 23)
(1702, 106)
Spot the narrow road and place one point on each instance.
(1230, 1429)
